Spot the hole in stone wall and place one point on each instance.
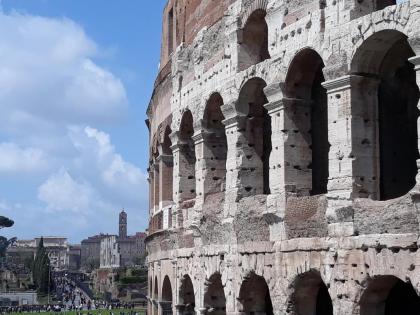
(382, 4)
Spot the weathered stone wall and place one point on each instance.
(286, 197)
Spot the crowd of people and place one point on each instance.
(104, 309)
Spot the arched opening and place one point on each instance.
(384, 117)
(388, 295)
(254, 44)
(256, 147)
(187, 158)
(311, 296)
(306, 124)
(254, 296)
(186, 297)
(214, 296)
(215, 146)
(166, 169)
(166, 302)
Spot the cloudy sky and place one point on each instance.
(75, 81)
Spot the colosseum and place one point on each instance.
(284, 159)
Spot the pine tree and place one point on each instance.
(41, 268)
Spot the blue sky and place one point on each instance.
(75, 81)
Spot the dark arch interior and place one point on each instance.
(388, 295)
(156, 292)
(254, 46)
(214, 296)
(166, 302)
(309, 120)
(216, 145)
(398, 96)
(186, 297)
(311, 296)
(390, 114)
(167, 169)
(166, 290)
(382, 4)
(187, 157)
(257, 132)
(254, 296)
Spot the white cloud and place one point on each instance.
(63, 193)
(124, 179)
(16, 159)
(48, 75)
(51, 88)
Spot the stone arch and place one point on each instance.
(254, 296)
(187, 157)
(256, 133)
(384, 117)
(310, 295)
(215, 146)
(306, 122)
(167, 296)
(253, 38)
(186, 303)
(214, 296)
(389, 295)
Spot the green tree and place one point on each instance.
(41, 269)
(4, 242)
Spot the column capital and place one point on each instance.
(275, 91)
(166, 158)
(237, 120)
(201, 135)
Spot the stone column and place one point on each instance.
(275, 109)
(416, 62)
(200, 167)
(234, 125)
(176, 168)
(353, 157)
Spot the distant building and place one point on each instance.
(130, 247)
(91, 250)
(62, 255)
(110, 256)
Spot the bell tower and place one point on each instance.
(123, 225)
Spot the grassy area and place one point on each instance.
(92, 312)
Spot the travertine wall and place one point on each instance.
(283, 158)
